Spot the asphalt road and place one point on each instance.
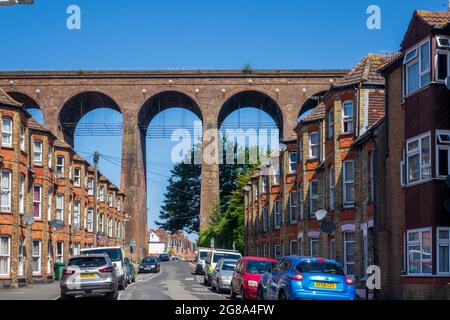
(175, 281)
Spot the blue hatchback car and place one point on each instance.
(306, 278)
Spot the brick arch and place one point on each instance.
(84, 102)
(311, 102)
(164, 100)
(252, 98)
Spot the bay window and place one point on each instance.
(314, 247)
(37, 201)
(314, 144)
(5, 199)
(293, 206)
(5, 256)
(21, 193)
(348, 175)
(77, 177)
(20, 268)
(37, 152)
(293, 247)
(417, 67)
(330, 124)
(292, 161)
(418, 158)
(60, 251)
(7, 125)
(36, 253)
(60, 207)
(313, 198)
(302, 202)
(277, 214)
(22, 137)
(277, 250)
(443, 250)
(419, 251)
(331, 180)
(90, 187)
(76, 213)
(347, 116)
(60, 166)
(349, 253)
(90, 220)
(101, 193)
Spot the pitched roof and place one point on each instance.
(35, 125)
(366, 71)
(391, 61)
(317, 114)
(434, 19)
(62, 144)
(6, 99)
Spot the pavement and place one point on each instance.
(49, 291)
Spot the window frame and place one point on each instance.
(301, 202)
(40, 152)
(420, 243)
(345, 243)
(7, 255)
(39, 201)
(409, 154)
(314, 240)
(291, 253)
(440, 145)
(22, 137)
(77, 213)
(6, 192)
(60, 209)
(22, 182)
(265, 214)
(277, 212)
(409, 62)
(275, 246)
(345, 182)
(77, 177)
(59, 252)
(9, 142)
(60, 167)
(313, 197)
(38, 256)
(437, 74)
(330, 124)
(293, 207)
(312, 146)
(444, 242)
(331, 185)
(292, 162)
(348, 119)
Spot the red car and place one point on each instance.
(246, 276)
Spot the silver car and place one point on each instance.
(88, 275)
(222, 274)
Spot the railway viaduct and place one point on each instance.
(65, 96)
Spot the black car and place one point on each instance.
(163, 257)
(150, 264)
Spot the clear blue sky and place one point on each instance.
(194, 34)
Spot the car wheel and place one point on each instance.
(232, 294)
(113, 295)
(282, 296)
(134, 278)
(123, 285)
(219, 290)
(242, 294)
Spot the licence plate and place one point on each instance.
(325, 285)
(88, 275)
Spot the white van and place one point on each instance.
(202, 254)
(116, 255)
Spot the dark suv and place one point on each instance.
(164, 257)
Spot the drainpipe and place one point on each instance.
(375, 206)
(358, 92)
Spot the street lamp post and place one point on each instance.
(96, 157)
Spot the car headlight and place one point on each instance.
(252, 283)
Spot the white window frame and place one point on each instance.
(312, 241)
(110, 199)
(5, 191)
(442, 145)
(346, 242)
(264, 183)
(60, 207)
(292, 162)
(20, 258)
(301, 199)
(313, 197)
(38, 152)
(420, 244)
(276, 175)
(59, 251)
(37, 256)
(293, 203)
(101, 194)
(346, 202)
(110, 227)
(444, 243)
(331, 182)
(6, 255)
(277, 214)
(314, 146)
(60, 166)
(76, 248)
(330, 124)
(49, 257)
(90, 186)
(348, 119)
(77, 177)
(277, 247)
(76, 213)
(90, 220)
(50, 156)
(22, 137)
(265, 253)
(414, 152)
(21, 193)
(7, 136)
(38, 201)
(49, 204)
(408, 62)
(441, 45)
(444, 52)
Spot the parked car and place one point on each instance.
(163, 257)
(130, 272)
(117, 257)
(87, 275)
(296, 278)
(202, 254)
(149, 264)
(222, 274)
(213, 257)
(247, 274)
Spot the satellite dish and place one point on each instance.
(327, 227)
(321, 214)
(247, 188)
(283, 147)
(447, 83)
(57, 224)
(28, 219)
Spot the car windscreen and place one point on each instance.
(203, 255)
(114, 254)
(320, 267)
(87, 262)
(257, 266)
(223, 255)
(149, 260)
(229, 265)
